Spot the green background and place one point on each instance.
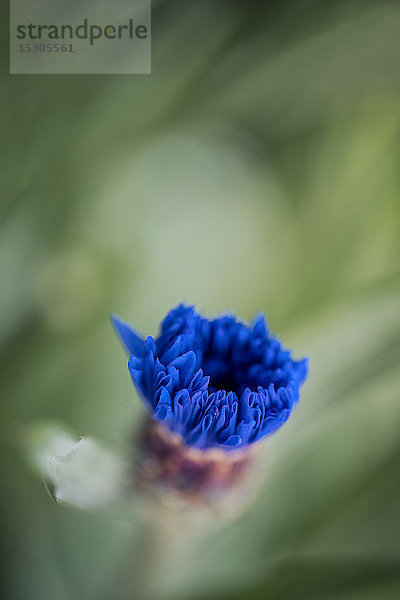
(257, 168)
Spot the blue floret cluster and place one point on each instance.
(219, 383)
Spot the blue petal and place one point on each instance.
(259, 327)
(301, 368)
(186, 365)
(163, 410)
(175, 349)
(132, 343)
(233, 441)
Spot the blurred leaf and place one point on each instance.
(325, 578)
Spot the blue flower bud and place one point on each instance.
(214, 383)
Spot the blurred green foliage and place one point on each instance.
(255, 169)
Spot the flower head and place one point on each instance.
(218, 383)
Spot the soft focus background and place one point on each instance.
(257, 168)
